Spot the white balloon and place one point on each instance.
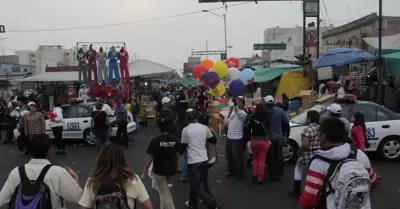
(234, 73)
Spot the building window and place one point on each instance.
(66, 53)
(25, 70)
(15, 69)
(32, 55)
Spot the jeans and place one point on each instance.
(275, 167)
(103, 71)
(113, 69)
(183, 166)
(198, 178)
(234, 154)
(122, 130)
(57, 132)
(166, 200)
(101, 137)
(82, 72)
(259, 148)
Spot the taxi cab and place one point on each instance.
(77, 123)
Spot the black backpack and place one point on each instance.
(31, 194)
(111, 195)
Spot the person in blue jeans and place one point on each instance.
(276, 136)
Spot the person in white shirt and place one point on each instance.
(340, 92)
(234, 143)
(106, 108)
(57, 124)
(194, 139)
(111, 167)
(63, 183)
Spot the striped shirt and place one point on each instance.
(34, 123)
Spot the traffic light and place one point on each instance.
(302, 57)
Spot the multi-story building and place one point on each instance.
(292, 37)
(48, 56)
(351, 34)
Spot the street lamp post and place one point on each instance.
(225, 28)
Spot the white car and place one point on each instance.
(383, 128)
(77, 122)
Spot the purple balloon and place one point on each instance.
(236, 88)
(211, 79)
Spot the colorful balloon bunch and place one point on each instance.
(213, 75)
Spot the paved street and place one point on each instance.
(230, 194)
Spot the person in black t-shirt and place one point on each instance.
(163, 154)
(100, 126)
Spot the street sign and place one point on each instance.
(224, 1)
(269, 46)
(223, 56)
(311, 8)
(2, 29)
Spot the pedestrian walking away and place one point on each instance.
(194, 139)
(163, 155)
(56, 124)
(60, 183)
(100, 125)
(259, 143)
(275, 134)
(112, 184)
(309, 145)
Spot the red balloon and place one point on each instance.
(199, 71)
(232, 62)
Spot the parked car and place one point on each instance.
(382, 125)
(77, 123)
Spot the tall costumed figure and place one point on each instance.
(91, 65)
(102, 58)
(113, 65)
(123, 57)
(81, 57)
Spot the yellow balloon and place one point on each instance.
(218, 91)
(221, 69)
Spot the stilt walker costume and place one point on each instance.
(123, 57)
(81, 57)
(91, 66)
(102, 58)
(113, 66)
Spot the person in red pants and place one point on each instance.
(91, 57)
(123, 57)
(259, 142)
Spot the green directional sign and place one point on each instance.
(269, 46)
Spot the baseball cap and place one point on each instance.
(31, 103)
(165, 100)
(269, 99)
(335, 108)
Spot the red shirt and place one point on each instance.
(358, 137)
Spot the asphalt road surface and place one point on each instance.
(231, 195)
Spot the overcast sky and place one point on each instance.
(168, 41)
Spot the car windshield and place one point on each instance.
(302, 117)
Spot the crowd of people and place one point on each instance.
(339, 173)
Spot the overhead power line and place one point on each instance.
(121, 23)
(326, 10)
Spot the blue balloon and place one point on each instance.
(236, 88)
(246, 75)
(211, 79)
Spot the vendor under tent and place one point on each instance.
(268, 74)
(343, 56)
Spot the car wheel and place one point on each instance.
(289, 151)
(389, 148)
(89, 138)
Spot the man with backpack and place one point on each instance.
(49, 185)
(339, 175)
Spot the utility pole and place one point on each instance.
(380, 61)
